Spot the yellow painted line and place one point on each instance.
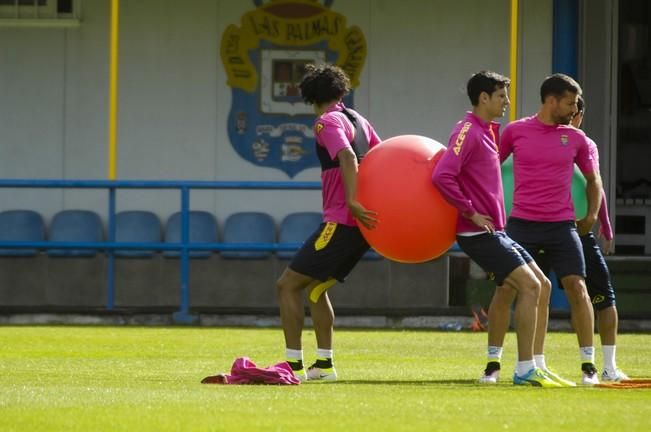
(113, 91)
(513, 58)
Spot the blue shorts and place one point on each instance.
(559, 240)
(496, 254)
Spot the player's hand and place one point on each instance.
(484, 222)
(584, 226)
(365, 217)
(606, 245)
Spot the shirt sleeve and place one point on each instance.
(448, 169)
(584, 156)
(505, 143)
(331, 134)
(374, 138)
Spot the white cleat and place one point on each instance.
(616, 376)
(318, 374)
(590, 378)
(491, 378)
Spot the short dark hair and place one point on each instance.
(580, 104)
(485, 81)
(323, 83)
(557, 85)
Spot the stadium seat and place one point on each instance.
(249, 227)
(295, 228)
(137, 226)
(75, 226)
(21, 225)
(203, 229)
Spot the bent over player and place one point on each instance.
(331, 252)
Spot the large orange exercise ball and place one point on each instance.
(579, 199)
(416, 224)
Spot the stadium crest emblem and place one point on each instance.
(268, 123)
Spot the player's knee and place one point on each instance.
(575, 288)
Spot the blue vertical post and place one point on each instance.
(565, 51)
(183, 314)
(565, 59)
(110, 252)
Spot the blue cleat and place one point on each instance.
(535, 378)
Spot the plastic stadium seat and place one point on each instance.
(203, 229)
(137, 226)
(296, 228)
(249, 227)
(75, 226)
(21, 225)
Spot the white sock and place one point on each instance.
(523, 367)
(540, 361)
(323, 353)
(293, 354)
(587, 354)
(609, 357)
(494, 353)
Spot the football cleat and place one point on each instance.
(536, 378)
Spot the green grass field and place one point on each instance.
(147, 379)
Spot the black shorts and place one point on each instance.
(497, 254)
(332, 251)
(559, 240)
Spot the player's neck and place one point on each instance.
(324, 107)
(545, 117)
(483, 114)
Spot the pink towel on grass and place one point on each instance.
(245, 371)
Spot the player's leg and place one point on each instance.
(498, 255)
(347, 247)
(602, 295)
(289, 288)
(499, 314)
(567, 260)
(323, 318)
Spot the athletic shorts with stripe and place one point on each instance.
(497, 254)
(332, 251)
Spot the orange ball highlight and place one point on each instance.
(416, 224)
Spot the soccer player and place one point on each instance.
(545, 149)
(469, 177)
(331, 252)
(598, 281)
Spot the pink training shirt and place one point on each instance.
(543, 165)
(468, 175)
(604, 220)
(335, 132)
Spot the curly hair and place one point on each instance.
(323, 83)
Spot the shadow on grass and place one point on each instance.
(407, 382)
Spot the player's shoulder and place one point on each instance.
(521, 123)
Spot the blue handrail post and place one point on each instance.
(111, 256)
(183, 314)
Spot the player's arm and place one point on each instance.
(505, 144)
(593, 193)
(348, 166)
(445, 178)
(605, 229)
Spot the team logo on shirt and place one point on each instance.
(461, 137)
(326, 236)
(319, 127)
(564, 139)
(264, 57)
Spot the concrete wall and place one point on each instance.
(174, 100)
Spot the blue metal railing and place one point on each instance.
(185, 186)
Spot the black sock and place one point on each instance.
(296, 364)
(588, 368)
(323, 363)
(492, 367)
